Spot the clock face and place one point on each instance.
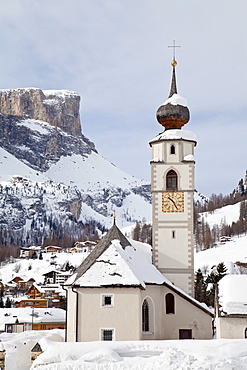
(173, 201)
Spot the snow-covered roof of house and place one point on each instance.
(233, 295)
(117, 261)
(30, 315)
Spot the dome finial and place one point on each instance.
(173, 113)
(174, 62)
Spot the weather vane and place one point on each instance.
(174, 63)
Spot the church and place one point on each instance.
(126, 290)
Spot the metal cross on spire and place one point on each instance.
(174, 46)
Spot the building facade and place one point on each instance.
(172, 187)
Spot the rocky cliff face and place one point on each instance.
(53, 183)
(59, 108)
(39, 127)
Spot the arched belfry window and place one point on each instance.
(170, 303)
(172, 149)
(171, 180)
(145, 316)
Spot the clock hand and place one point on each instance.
(173, 202)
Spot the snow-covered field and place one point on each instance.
(229, 253)
(145, 355)
(227, 214)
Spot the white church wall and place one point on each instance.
(186, 316)
(122, 317)
(71, 315)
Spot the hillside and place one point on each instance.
(53, 182)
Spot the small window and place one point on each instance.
(185, 334)
(173, 234)
(107, 300)
(145, 316)
(171, 180)
(245, 333)
(170, 304)
(172, 151)
(107, 334)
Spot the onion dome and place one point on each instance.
(173, 113)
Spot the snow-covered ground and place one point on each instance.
(18, 346)
(229, 253)
(227, 214)
(144, 355)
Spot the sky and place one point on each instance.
(115, 55)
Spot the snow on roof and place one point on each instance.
(29, 315)
(233, 295)
(189, 158)
(175, 135)
(176, 99)
(118, 266)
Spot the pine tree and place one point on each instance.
(200, 287)
(136, 232)
(8, 303)
(217, 273)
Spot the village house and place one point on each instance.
(80, 247)
(30, 252)
(41, 296)
(56, 277)
(231, 307)
(16, 320)
(52, 249)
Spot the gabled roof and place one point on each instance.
(113, 234)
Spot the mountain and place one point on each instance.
(53, 182)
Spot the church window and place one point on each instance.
(170, 303)
(173, 234)
(171, 180)
(107, 334)
(245, 333)
(145, 316)
(107, 300)
(172, 150)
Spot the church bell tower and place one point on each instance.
(172, 187)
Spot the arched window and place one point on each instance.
(245, 333)
(170, 303)
(145, 316)
(171, 180)
(172, 149)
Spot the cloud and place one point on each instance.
(114, 54)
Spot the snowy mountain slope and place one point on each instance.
(42, 142)
(227, 214)
(11, 166)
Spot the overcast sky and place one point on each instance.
(115, 55)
